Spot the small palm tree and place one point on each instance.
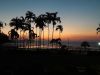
(13, 35)
(85, 44)
(1, 25)
(57, 42)
(60, 28)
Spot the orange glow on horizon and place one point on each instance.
(73, 34)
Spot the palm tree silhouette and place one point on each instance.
(98, 29)
(48, 21)
(1, 25)
(55, 19)
(44, 20)
(53, 41)
(57, 42)
(85, 44)
(60, 28)
(41, 24)
(33, 35)
(17, 23)
(13, 35)
(30, 17)
(52, 17)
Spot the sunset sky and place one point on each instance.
(80, 18)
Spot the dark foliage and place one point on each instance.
(3, 38)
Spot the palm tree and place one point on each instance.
(48, 21)
(30, 17)
(57, 42)
(13, 35)
(41, 24)
(1, 25)
(15, 22)
(85, 44)
(33, 35)
(60, 28)
(19, 23)
(44, 20)
(52, 17)
(98, 29)
(55, 19)
(9, 34)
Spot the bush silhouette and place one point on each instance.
(3, 38)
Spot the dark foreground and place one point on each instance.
(22, 62)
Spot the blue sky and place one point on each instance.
(79, 17)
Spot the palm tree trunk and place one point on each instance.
(29, 38)
(52, 35)
(40, 32)
(36, 38)
(48, 35)
(23, 39)
(43, 37)
(20, 38)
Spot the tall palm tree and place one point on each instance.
(1, 25)
(54, 20)
(18, 23)
(30, 17)
(60, 28)
(48, 21)
(41, 24)
(44, 20)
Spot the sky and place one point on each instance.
(80, 18)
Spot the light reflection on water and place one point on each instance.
(72, 46)
(37, 46)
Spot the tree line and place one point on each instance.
(42, 21)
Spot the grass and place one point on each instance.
(20, 62)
